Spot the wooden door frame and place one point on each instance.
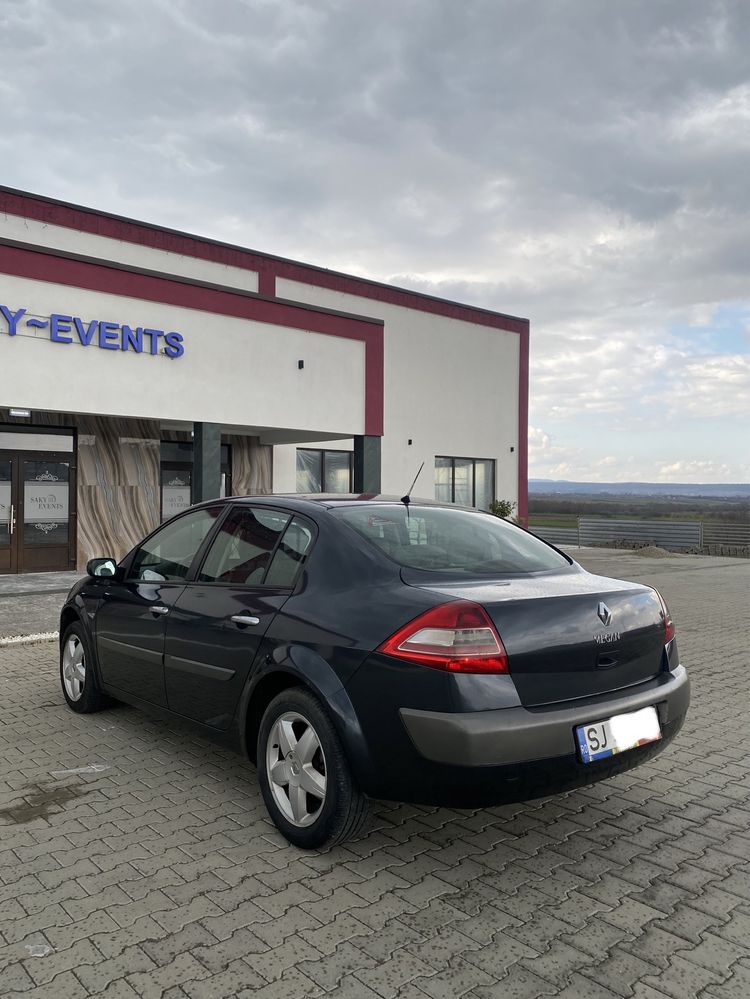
(12, 569)
(17, 458)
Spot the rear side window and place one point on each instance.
(290, 555)
(241, 551)
(450, 541)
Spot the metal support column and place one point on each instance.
(367, 465)
(206, 461)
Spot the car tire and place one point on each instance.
(78, 679)
(304, 774)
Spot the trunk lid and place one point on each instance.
(561, 643)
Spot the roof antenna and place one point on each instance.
(406, 500)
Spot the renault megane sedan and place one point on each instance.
(357, 647)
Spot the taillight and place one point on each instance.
(458, 637)
(669, 628)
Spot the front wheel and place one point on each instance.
(304, 775)
(77, 675)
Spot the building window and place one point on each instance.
(466, 481)
(324, 471)
(177, 476)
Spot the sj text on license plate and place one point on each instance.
(617, 734)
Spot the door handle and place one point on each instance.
(12, 521)
(159, 610)
(245, 619)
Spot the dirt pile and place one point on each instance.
(653, 551)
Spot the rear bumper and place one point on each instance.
(520, 735)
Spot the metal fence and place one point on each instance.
(562, 537)
(669, 534)
(726, 534)
(673, 535)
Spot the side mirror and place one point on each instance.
(100, 567)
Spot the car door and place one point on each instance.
(219, 620)
(132, 617)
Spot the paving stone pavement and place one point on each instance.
(157, 873)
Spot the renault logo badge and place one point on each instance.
(605, 614)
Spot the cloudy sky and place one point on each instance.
(583, 163)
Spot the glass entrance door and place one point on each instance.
(45, 544)
(37, 500)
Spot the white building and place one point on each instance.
(142, 369)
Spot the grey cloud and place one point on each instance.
(447, 97)
(578, 162)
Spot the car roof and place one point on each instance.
(330, 501)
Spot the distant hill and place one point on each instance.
(708, 489)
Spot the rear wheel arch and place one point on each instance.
(305, 668)
(262, 694)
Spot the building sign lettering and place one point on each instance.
(46, 501)
(96, 332)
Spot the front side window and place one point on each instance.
(324, 471)
(450, 541)
(168, 554)
(241, 551)
(465, 481)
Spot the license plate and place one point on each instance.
(617, 734)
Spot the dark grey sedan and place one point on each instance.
(358, 647)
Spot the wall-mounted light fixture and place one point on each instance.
(23, 414)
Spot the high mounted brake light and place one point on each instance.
(458, 637)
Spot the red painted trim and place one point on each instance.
(267, 283)
(88, 220)
(523, 428)
(97, 277)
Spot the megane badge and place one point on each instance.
(605, 614)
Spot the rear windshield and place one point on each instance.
(439, 539)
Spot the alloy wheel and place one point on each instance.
(74, 668)
(296, 768)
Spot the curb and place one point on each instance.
(6, 595)
(37, 639)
